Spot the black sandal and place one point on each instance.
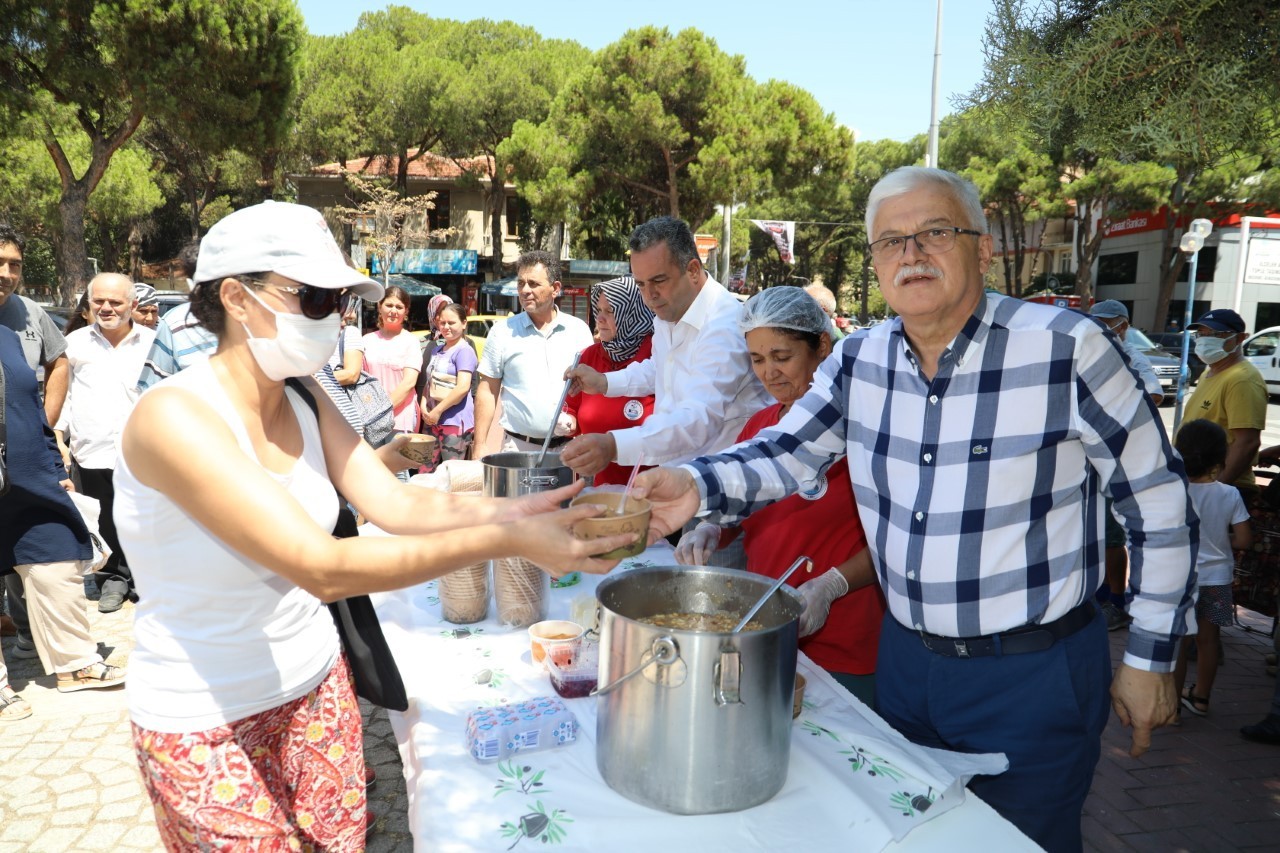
(1195, 704)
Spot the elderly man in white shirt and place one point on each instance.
(700, 372)
(524, 362)
(105, 359)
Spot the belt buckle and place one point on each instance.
(961, 647)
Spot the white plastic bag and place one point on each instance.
(90, 509)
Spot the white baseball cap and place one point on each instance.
(291, 240)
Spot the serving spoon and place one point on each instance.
(755, 608)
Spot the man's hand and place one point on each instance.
(586, 380)
(1270, 458)
(589, 454)
(674, 496)
(1145, 701)
(67, 485)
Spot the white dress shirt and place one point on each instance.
(104, 385)
(701, 376)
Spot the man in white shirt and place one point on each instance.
(700, 372)
(524, 362)
(106, 358)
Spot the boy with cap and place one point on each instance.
(1232, 394)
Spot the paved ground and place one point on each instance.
(68, 780)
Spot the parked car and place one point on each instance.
(1262, 350)
(478, 326)
(170, 299)
(1165, 365)
(1171, 342)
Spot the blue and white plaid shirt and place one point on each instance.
(981, 490)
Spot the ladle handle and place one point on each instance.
(564, 395)
(777, 585)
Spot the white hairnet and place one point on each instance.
(784, 307)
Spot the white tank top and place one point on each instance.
(219, 637)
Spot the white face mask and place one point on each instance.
(1211, 350)
(301, 345)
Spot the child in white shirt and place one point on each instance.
(1224, 528)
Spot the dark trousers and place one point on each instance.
(1045, 711)
(98, 483)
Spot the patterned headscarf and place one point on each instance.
(631, 316)
(146, 294)
(433, 308)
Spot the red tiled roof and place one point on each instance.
(428, 165)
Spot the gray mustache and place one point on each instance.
(918, 269)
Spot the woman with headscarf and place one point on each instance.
(624, 327)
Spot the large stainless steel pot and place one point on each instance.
(521, 589)
(694, 722)
(510, 475)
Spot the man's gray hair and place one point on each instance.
(122, 280)
(909, 178)
(823, 296)
(670, 230)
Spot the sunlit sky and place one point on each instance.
(868, 61)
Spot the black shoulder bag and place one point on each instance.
(372, 665)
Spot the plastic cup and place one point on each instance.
(558, 638)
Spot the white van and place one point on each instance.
(1262, 350)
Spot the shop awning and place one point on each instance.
(432, 262)
(411, 286)
(501, 287)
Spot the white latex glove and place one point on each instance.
(566, 424)
(818, 595)
(697, 546)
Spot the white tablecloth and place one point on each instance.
(459, 804)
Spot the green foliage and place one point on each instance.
(663, 124)
(222, 70)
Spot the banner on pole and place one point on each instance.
(783, 234)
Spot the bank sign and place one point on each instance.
(1263, 264)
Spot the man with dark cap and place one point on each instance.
(1232, 394)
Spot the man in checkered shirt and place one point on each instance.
(982, 433)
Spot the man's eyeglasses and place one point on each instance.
(316, 302)
(932, 241)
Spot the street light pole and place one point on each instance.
(1192, 243)
(931, 157)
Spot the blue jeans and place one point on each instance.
(1044, 710)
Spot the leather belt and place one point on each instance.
(556, 440)
(1019, 641)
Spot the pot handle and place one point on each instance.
(664, 652)
(541, 481)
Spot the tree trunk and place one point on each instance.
(135, 251)
(497, 207)
(73, 262)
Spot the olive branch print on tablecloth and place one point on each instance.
(864, 761)
(538, 822)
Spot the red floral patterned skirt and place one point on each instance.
(291, 778)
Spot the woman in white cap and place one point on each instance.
(245, 724)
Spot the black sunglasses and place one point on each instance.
(316, 302)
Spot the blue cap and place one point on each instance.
(1221, 320)
(1109, 308)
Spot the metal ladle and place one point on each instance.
(564, 395)
(777, 585)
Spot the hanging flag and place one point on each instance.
(783, 234)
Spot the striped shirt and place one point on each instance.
(981, 491)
